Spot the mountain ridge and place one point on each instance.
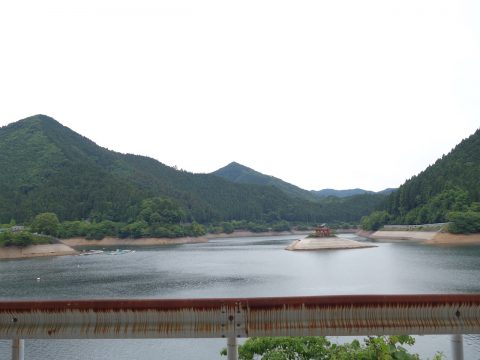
(242, 174)
(239, 173)
(51, 168)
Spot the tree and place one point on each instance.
(135, 230)
(374, 221)
(195, 229)
(227, 227)
(158, 210)
(45, 223)
(319, 348)
(464, 222)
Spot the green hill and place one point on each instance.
(241, 174)
(355, 202)
(442, 192)
(46, 167)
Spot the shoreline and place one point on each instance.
(67, 246)
(113, 241)
(32, 251)
(433, 238)
(448, 239)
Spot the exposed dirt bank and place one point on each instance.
(112, 241)
(14, 252)
(425, 237)
(453, 239)
(403, 235)
(66, 246)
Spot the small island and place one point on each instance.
(323, 239)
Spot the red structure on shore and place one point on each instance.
(322, 231)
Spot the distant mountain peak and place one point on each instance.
(341, 193)
(38, 117)
(236, 165)
(238, 173)
(37, 122)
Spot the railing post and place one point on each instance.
(18, 346)
(232, 348)
(457, 346)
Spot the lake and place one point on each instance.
(236, 267)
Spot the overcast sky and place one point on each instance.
(322, 94)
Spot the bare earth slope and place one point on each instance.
(426, 237)
(36, 251)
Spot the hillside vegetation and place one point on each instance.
(448, 190)
(48, 168)
(241, 174)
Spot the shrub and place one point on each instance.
(463, 222)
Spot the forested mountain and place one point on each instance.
(241, 174)
(51, 168)
(46, 167)
(442, 191)
(244, 175)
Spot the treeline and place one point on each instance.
(141, 229)
(448, 191)
(157, 217)
(23, 238)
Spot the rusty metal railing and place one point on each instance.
(239, 317)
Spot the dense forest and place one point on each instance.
(48, 168)
(447, 191)
(242, 174)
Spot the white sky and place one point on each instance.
(322, 94)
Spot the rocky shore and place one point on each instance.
(67, 246)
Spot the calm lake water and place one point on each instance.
(240, 267)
